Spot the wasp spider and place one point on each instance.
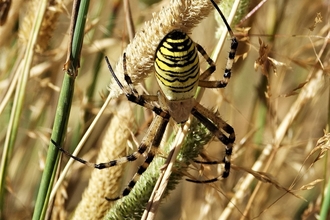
(178, 75)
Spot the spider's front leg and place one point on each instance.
(132, 95)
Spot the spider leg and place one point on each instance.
(208, 59)
(132, 95)
(226, 76)
(206, 160)
(231, 56)
(144, 145)
(204, 181)
(152, 138)
(215, 124)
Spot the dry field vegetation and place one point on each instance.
(277, 101)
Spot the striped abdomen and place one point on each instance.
(177, 66)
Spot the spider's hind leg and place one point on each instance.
(215, 124)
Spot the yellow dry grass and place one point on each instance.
(277, 101)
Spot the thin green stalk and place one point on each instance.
(19, 102)
(78, 21)
(59, 130)
(326, 199)
(326, 202)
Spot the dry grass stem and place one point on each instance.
(308, 92)
(160, 187)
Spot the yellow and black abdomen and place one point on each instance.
(177, 66)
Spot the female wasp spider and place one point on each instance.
(178, 76)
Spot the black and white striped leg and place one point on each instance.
(153, 137)
(131, 93)
(215, 124)
(208, 59)
(231, 56)
(144, 145)
(149, 143)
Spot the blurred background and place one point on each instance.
(277, 101)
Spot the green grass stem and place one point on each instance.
(63, 110)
